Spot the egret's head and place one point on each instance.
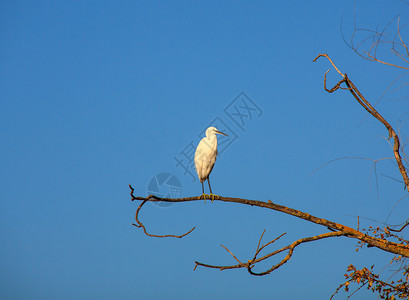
(213, 130)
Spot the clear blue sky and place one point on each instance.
(96, 95)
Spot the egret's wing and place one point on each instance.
(199, 161)
(205, 158)
(199, 170)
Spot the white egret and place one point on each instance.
(205, 157)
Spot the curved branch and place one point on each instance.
(250, 263)
(291, 248)
(330, 60)
(403, 227)
(140, 225)
(336, 229)
(347, 231)
(375, 39)
(370, 109)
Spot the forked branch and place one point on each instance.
(346, 231)
(252, 262)
(140, 225)
(372, 43)
(371, 110)
(336, 229)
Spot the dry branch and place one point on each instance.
(140, 225)
(403, 227)
(345, 230)
(369, 47)
(336, 229)
(371, 110)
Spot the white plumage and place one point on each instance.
(205, 157)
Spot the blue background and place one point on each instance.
(98, 95)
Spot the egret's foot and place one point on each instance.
(204, 196)
(212, 197)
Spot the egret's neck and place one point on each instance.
(212, 140)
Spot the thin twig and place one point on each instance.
(400, 229)
(231, 254)
(326, 55)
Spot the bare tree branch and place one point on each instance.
(347, 231)
(369, 46)
(291, 248)
(231, 255)
(373, 239)
(250, 263)
(400, 229)
(370, 109)
(330, 60)
(140, 225)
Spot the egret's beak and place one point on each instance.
(219, 132)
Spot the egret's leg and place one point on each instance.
(203, 194)
(210, 188)
(211, 193)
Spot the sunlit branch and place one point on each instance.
(347, 231)
(370, 109)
